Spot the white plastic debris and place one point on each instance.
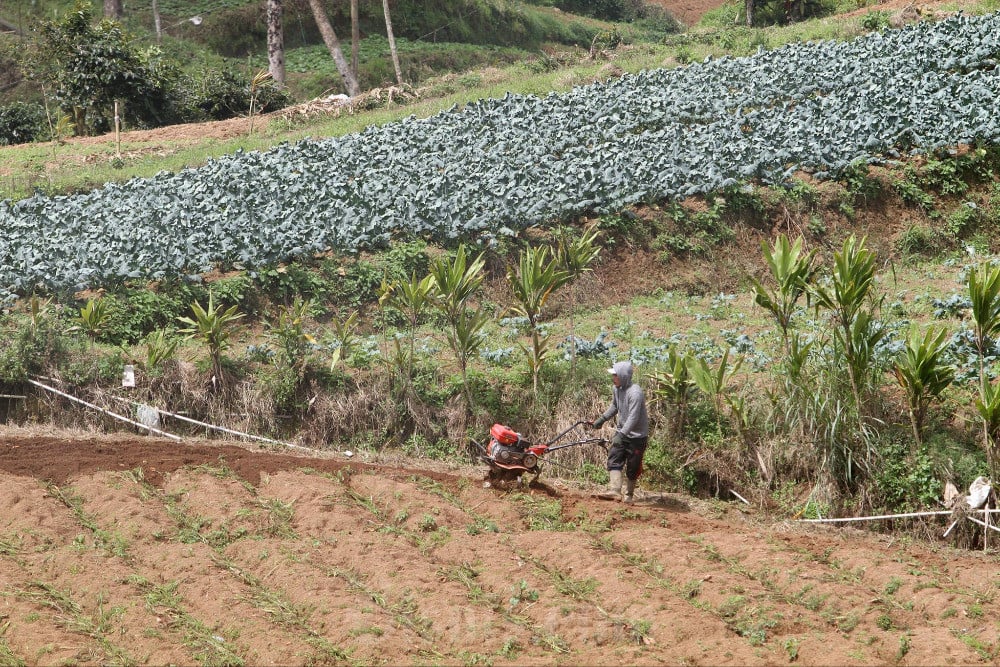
(147, 416)
(979, 491)
(348, 453)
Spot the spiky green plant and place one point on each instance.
(289, 330)
(792, 271)
(212, 326)
(456, 282)
(536, 277)
(93, 318)
(575, 252)
(159, 348)
(413, 298)
(675, 385)
(923, 373)
(848, 296)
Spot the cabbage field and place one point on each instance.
(497, 166)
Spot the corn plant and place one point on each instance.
(923, 374)
(255, 85)
(211, 325)
(792, 272)
(536, 277)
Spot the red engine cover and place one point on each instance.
(504, 435)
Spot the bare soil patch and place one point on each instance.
(146, 551)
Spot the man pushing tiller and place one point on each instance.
(628, 445)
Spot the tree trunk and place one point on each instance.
(157, 28)
(113, 9)
(355, 38)
(392, 42)
(750, 7)
(275, 43)
(333, 44)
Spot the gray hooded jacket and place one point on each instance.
(629, 403)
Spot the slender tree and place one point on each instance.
(113, 9)
(392, 42)
(355, 37)
(333, 44)
(275, 42)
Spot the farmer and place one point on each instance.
(629, 441)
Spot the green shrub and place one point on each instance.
(906, 482)
(875, 20)
(21, 123)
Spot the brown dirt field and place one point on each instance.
(144, 551)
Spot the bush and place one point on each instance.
(21, 123)
(218, 94)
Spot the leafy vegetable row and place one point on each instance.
(497, 166)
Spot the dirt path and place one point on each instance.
(142, 551)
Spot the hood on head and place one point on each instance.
(623, 369)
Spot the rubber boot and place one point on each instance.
(629, 491)
(614, 491)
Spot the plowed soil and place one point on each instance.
(145, 551)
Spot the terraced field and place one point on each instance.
(140, 551)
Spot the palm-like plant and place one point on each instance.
(537, 276)
(675, 385)
(714, 382)
(289, 329)
(211, 325)
(847, 296)
(412, 298)
(793, 271)
(575, 253)
(456, 281)
(923, 374)
(159, 348)
(93, 318)
(984, 294)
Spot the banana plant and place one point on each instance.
(211, 325)
(792, 271)
(536, 277)
(923, 373)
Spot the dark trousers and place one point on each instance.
(628, 456)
